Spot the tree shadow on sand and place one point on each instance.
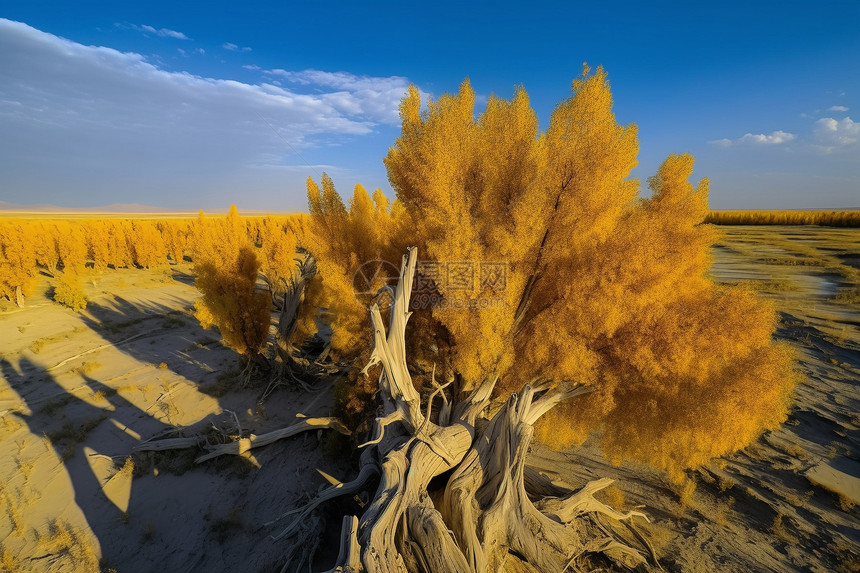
(93, 439)
(166, 337)
(82, 435)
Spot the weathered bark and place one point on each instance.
(19, 297)
(243, 444)
(483, 518)
(294, 295)
(287, 365)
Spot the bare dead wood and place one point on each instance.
(169, 444)
(348, 556)
(294, 295)
(243, 444)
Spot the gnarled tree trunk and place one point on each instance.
(480, 516)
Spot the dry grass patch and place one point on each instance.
(779, 530)
(796, 451)
(66, 439)
(723, 510)
(63, 540)
(797, 499)
(846, 504)
(612, 496)
(686, 493)
(86, 368)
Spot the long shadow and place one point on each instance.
(82, 425)
(167, 338)
(197, 355)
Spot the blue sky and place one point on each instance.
(163, 103)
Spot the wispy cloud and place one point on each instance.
(234, 48)
(833, 135)
(837, 108)
(378, 97)
(776, 138)
(105, 120)
(163, 32)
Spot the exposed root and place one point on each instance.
(348, 556)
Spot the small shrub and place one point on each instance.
(845, 503)
(779, 530)
(851, 296)
(70, 293)
(612, 496)
(722, 511)
(222, 528)
(172, 321)
(63, 539)
(685, 496)
(726, 483)
(86, 367)
(796, 451)
(9, 561)
(70, 435)
(798, 500)
(25, 468)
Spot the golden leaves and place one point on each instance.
(602, 287)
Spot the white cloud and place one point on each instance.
(233, 47)
(163, 32)
(832, 134)
(379, 96)
(776, 138)
(837, 108)
(186, 53)
(113, 123)
(252, 67)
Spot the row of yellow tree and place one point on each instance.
(825, 218)
(31, 246)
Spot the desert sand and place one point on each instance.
(80, 390)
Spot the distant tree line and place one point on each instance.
(823, 218)
(64, 248)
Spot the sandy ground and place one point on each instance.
(789, 502)
(68, 427)
(79, 391)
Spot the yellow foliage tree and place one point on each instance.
(175, 237)
(550, 270)
(226, 269)
(71, 246)
(42, 237)
(146, 246)
(69, 291)
(17, 262)
(353, 247)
